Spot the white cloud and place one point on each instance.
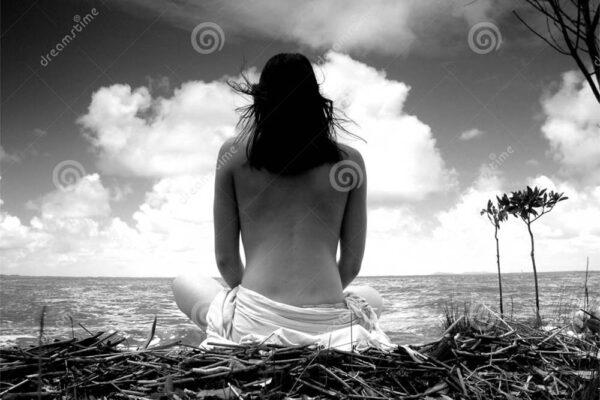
(572, 126)
(74, 232)
(136, 135)
(173, 234)
(9, 158)
(13, 233)
(180, 210)
(120, 192)
(353, 26)
(133, 134)
(86, 198)
(402, 160)
(180, 135)
(462, 240)
(471, 134)
(575, 219)
(40, 132)
(74, 235)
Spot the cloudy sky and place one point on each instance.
(110, 137)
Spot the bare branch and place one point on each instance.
(578, 24)
(553, 45)
(574, 53)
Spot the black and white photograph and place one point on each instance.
(311, 199)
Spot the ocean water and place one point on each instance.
(414, 305)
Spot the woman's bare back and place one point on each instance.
(290, 228)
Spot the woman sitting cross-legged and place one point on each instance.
(292, 192)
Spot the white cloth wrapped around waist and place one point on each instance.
(243, 316)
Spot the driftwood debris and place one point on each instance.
(511, 361)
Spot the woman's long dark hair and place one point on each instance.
(290, 127)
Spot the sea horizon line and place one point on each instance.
(439, 273)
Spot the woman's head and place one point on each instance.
(289, 126)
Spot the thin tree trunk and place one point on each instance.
(499, 275)
(585, 286)
(537, 293)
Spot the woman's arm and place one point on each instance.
(227, 223)
(354, 226)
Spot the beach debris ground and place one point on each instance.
(508, 360)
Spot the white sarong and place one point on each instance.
(243, 316)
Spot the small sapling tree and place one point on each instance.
(529, 205)
(496, 215)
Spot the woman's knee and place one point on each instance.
(371, 295)
(193, 295)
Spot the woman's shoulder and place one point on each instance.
(350, 153)
(232, 152)
(233, 143)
